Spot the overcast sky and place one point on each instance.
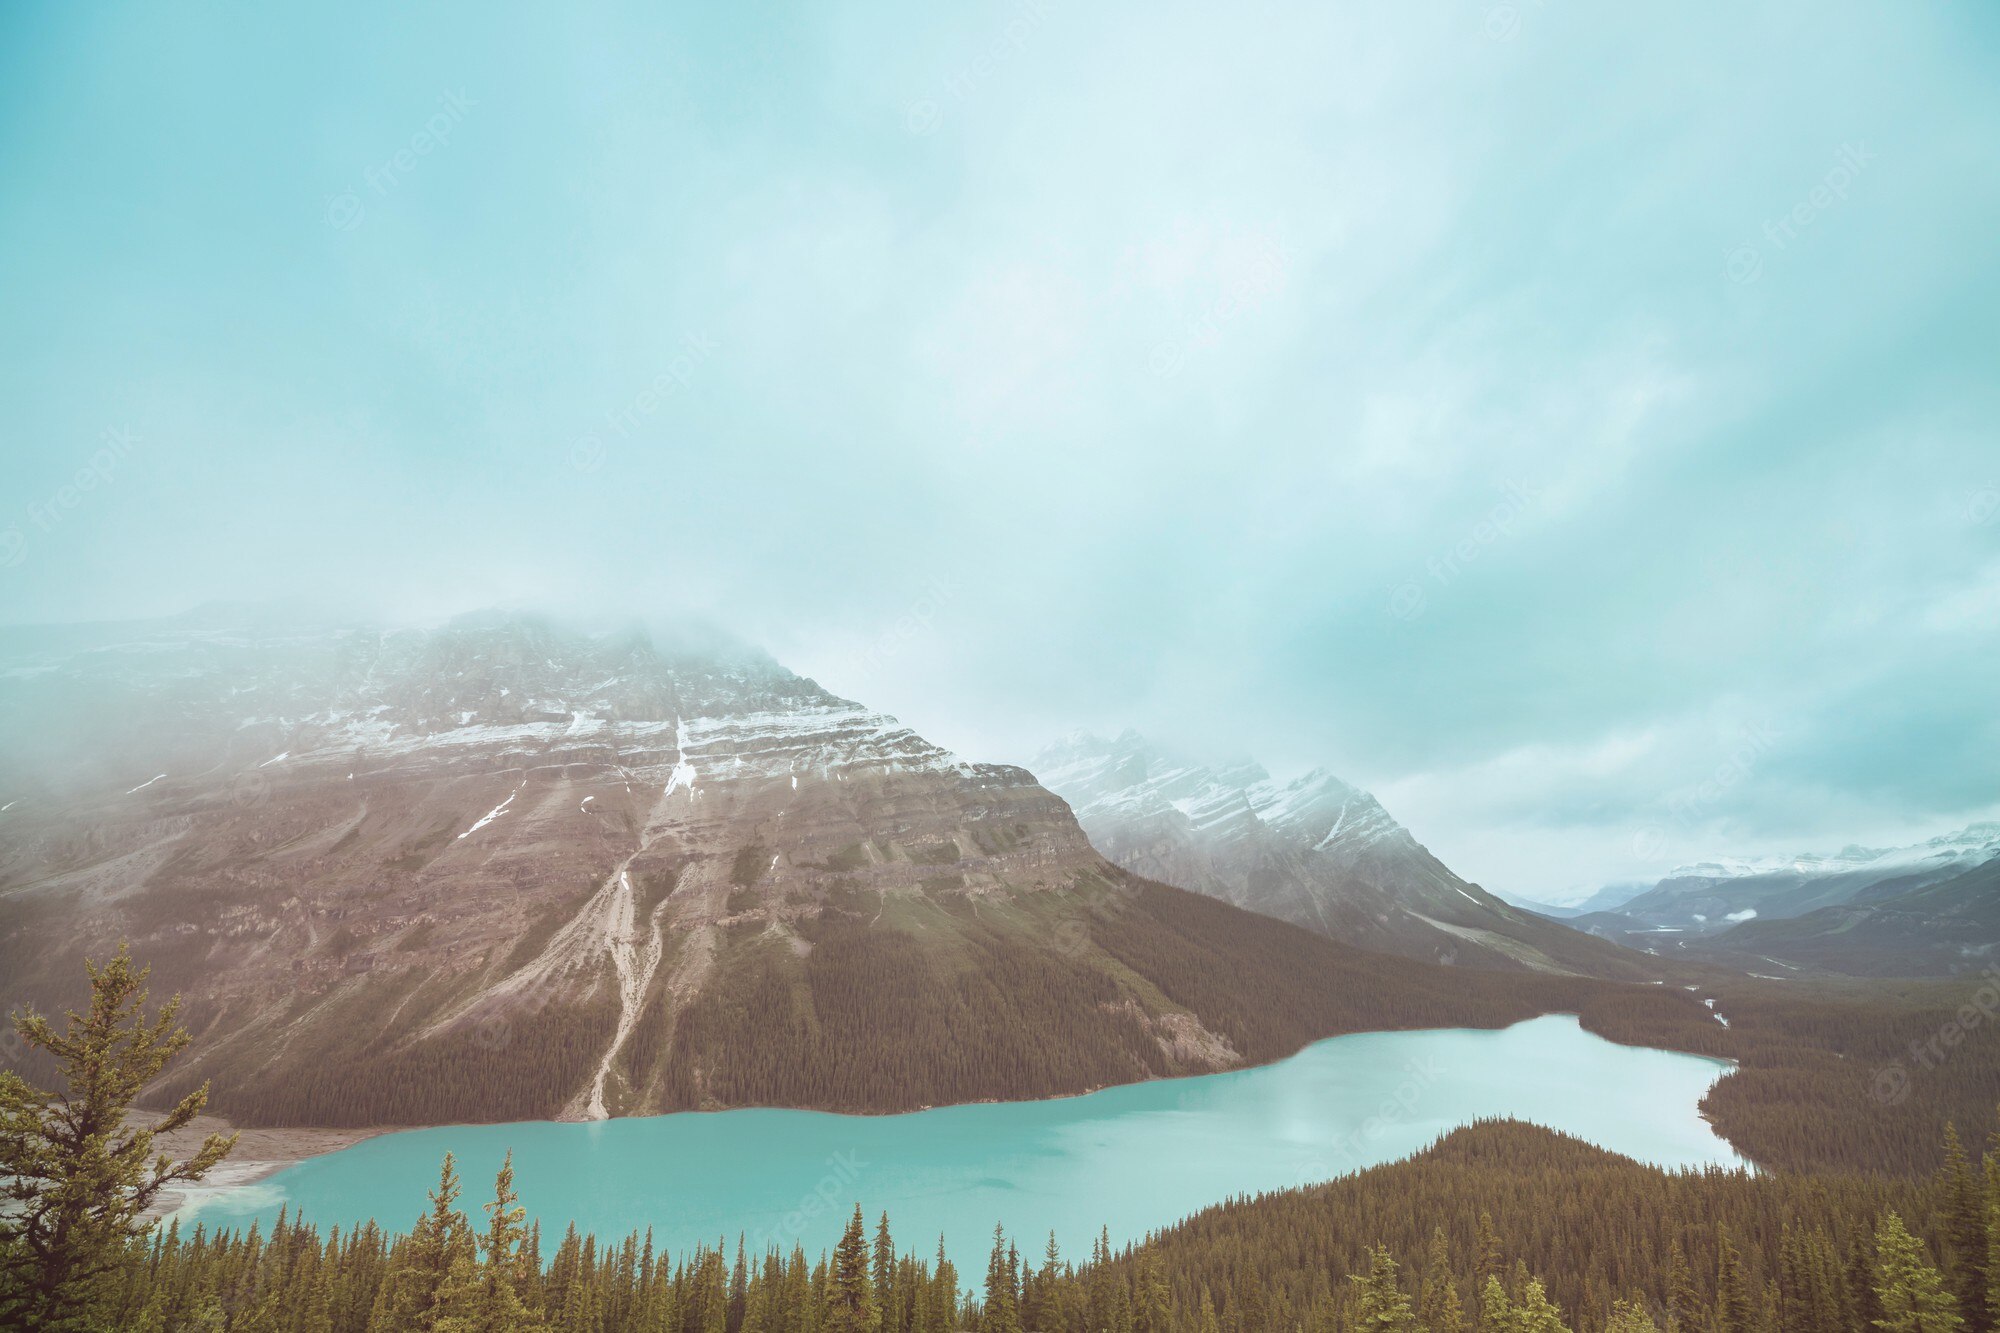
(1579, 423)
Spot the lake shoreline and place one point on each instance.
(264, 1152)
(260, 1152)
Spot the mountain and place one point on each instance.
(1710, 898)
(509, 868)
(1610, 897)
(1940, 929)
(1314, 851)
(1541, 909)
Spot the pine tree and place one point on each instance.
(799, 1293)
(497, 1307)
(851, 1306)
(1438, 1307)
(885, 1279)
(1209, 1323)
(1152, 1299)
(1099, 1311)
(1000, 1312)
(1992, 1293)
(739, 1284)
(1965, 1232)
(1631, 1316)
(1487, 1262)
(1990, 1298)
(1534, 1312)
(1912, 1293)
(74, 1181)
(431, 1280)
(1496, 1312)
(1050, 1306)
(941, 1303)
(1807, 1296)
(1733, 1312)
(1866, 1305)
(1685, 1311)
(709, 1311)
(1380, 1306)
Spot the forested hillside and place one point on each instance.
(966, 1000)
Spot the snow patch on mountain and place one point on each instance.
(492, 814)
(1968, 846)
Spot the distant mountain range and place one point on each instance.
(1927, 909)
(1314, 851)
(508, 868)
(1945, 928)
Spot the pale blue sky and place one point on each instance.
(1579, 423)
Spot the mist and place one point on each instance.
(1604, 477)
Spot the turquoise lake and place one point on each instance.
(1130, 1158)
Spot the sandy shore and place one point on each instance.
(259, 1153)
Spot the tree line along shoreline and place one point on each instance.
(1499, 1227)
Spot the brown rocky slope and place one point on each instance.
(505, 868)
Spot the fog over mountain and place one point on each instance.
(1601, 477)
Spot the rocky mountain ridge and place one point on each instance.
(1315, 851)
(509, 868)
(1708, 898)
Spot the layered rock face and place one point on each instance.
(505, 868)
(1315, 851)
(455, 834)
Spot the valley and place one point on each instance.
(509, 875)
(1925, 910)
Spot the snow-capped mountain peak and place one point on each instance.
(1312, 849)
(1968, 846)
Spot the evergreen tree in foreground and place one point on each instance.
(1912, 1292)
(851, 1303)
(1379, 1303)
(74, 1180)
(497, 1304)
(433, 1284)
